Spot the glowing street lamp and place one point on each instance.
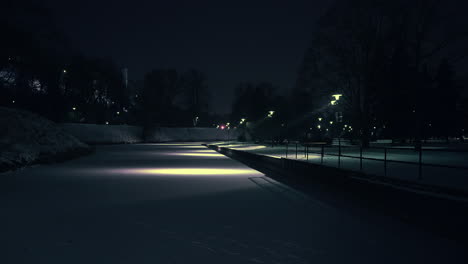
(337, 96)
(74, 108)
(320, 119)
(271, 113)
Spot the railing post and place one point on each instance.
(339, 152)
(307, 152)
(305, 146)
(296, 150)
(287, 144)
(385, 162)
(420, 164)
(360, 158)
(321, 156)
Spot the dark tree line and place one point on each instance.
(170, 98)
(396, 65)
(40, 71)
(393, 61)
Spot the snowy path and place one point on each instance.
(183, 203)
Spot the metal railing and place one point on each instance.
(321, 149)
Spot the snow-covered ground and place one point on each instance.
(454, 178)
(27, 138)
(182, 203)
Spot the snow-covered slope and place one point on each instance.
(27, 138)
(104, 134)
(166, 134)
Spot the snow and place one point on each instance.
(98, 210)
(27, 138)
(104, 134)
(166, 134)
(123, 134)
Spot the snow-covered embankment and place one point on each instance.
(104, 134)
(27, 138)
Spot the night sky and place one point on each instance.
(230, 41)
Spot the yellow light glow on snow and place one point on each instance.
(250, 148)
(192, 171)
(204, 151)
(199, 154)
(177, 144)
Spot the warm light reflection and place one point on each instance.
(311, 157)
(191, 171)
(199, 154)
(250, 148)
(176, 144)
(204, 151)
(233, 145)
(273, 156)
(187, 147)
(193, 146)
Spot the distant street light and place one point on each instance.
(270, 114)
(337, 96)
(320, 119)
(74, 108)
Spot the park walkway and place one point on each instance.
(184, 203)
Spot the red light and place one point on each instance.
(222, 127)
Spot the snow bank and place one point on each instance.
(27, 138)
(105, 134)
(118, 134)
(164, 134)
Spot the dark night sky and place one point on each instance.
(230, 41)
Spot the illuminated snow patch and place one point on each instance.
(250, 148)
(199, 154)
(191, 171)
